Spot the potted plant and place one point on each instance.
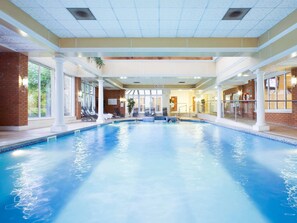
(98, 60)
(130, 105)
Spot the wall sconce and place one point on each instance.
(79, 94)
(23, 82)
(239, 93)
(293, 81)
(122, 99)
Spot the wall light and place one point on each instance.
(123, 100)
(293, 81)
(239, 93)
(23, 82)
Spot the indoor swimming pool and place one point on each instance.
(137, 172)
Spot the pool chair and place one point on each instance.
(116, 113)
(86, 117)
(135, 112)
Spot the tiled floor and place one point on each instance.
(10, 137)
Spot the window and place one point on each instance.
(68, 96)
(88, 96)
(278, 95)
(39, 91)
(146, 100)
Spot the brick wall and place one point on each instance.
(289, 119)
(77, 102)
(14, 97)
(109, 94)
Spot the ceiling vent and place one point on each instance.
(181, 82)
(136, 82)
(82, 13)
(236, 13)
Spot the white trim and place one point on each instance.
(278, 36)
(289, 111)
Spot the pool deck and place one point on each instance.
(14, 139)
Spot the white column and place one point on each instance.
(165, 100)
(59, 124)
(219, 105)
(260, 124)
(100, 101)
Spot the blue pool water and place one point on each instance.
(152, 173)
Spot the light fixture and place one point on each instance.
(239, 75)
(123, 78)
(246, 75)
(293, 81)
(197, 77)
(24, 34)
(123, 100)
(239, 92)
(197, 99)
(23, 81)
(79, 94)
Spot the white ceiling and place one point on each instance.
(157, 18)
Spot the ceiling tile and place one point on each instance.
(188, 24)
(103, 14)
(115, 33)
(70, 24)
(220, 33)
(279, 13)
(97, 3)
(148, 14)
(192, 14)
(129, 24)
(185, 33)
(74, 3)
(25, 4)
(288, 3)
(126, 14)
(171, 3)
(122, 3)
(150, 32)
(38, 13)
(214, 14)
(92, 24)
(52, 24)
(147, 4)
(108, 24)
(220, 4)
(208, 24)
(97, 33)
(60, 13)
(132, 33)
(170, 13)
(247, 24)
(255, 33)
(149, 24)
(243, 3)
(268, 3)
(257, 13)
(62, 33)
(227, 24)
(196, 4)
(168, 24)
(238, 33)
(80, 33)
(265, 24)
(168, 33)
(203, 32)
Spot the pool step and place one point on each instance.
(52, 139)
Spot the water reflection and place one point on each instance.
(81, 164)
(30, 195)
(289, 174)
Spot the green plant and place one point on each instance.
(98, 60)
(130, 105)
(202, 101)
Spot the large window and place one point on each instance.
(39, 91)
(146, 100)
(278, 92)
(68, 95)
(88, 96)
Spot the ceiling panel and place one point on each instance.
(202, 18)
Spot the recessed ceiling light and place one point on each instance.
(136, 82)
(236, 13)
(246, 75)
(24, 34)
(82, 13)
(123, 78)
(239, 75)
(197, 77)
(181, 82)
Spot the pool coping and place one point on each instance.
(15, 146)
